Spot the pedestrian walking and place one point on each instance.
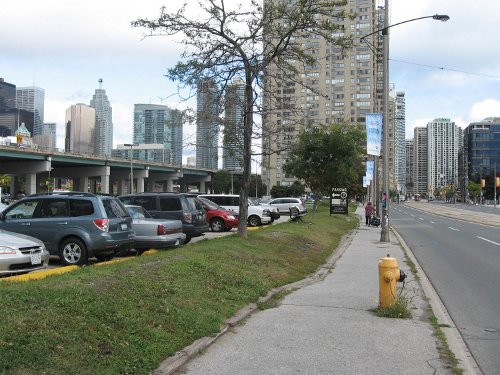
(368, 212)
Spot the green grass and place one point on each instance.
(400, 309)
(126, 318)
(443, 348)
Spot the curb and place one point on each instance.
(454, 338)
(172, 364)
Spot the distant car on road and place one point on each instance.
(21, 254)
(153, 233)
(218, 218)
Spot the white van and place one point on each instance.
(257, 215)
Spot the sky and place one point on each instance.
(446, 69)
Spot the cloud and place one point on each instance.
(486, 108)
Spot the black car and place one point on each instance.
(177, 206)
(74, 225)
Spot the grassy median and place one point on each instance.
(127, 317)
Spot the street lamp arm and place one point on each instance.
(438, 17)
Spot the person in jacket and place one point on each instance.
(369, 212)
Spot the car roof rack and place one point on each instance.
(69, 193)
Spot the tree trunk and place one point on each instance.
(247, 156)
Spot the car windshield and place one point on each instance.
(138, 212)
(193, 202)
(209, 203)
(252, 202)
(114, 208)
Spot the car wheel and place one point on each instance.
(254, 221)
(73, 252)
(217, 225)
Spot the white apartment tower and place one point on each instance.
(409, 184)
(337, 88)
(442, 150)
(399, 144)
(420, 185)
(103, 122)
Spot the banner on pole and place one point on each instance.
(373, 133)
(370, 166)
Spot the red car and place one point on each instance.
(218, 218)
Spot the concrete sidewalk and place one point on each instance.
(327, 327)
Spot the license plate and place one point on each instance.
(36, 258)
(124, 226)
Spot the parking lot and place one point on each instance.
(56, 263)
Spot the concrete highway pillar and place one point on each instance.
(170, 184)
(13, 191)
(30, 183)
(83, 184)
(105, 184)
(121, 184)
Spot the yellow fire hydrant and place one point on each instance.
(389, 274)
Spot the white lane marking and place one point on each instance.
(433, 222)
(487, 240)
(455, 229)
(420, 219)
(412, 215)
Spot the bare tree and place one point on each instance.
(248, 42)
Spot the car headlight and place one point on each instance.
(6, 250)
(231, 217)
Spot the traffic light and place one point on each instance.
(19, 138)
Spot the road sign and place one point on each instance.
(339, 203)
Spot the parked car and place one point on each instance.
(218, 218)
(21, 254)
(76, 226)
(283, 204)
(175, 206)
(257, 215)
(151, 233)
(275, 214)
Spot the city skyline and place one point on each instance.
(68, 65)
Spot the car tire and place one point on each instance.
(217, 225)
(73, 252)
(227, 229)
(187, 240)
(254, 221)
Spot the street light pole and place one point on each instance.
(384, 236)
(131, 145)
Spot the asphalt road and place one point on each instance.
(462, 260)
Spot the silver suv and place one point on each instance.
(75, 226)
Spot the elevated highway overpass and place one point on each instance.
(92, 173)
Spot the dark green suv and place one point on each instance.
(177, 206)
(75, 226)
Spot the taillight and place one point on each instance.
(188, 218)
(160, 230)
(102, 224)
